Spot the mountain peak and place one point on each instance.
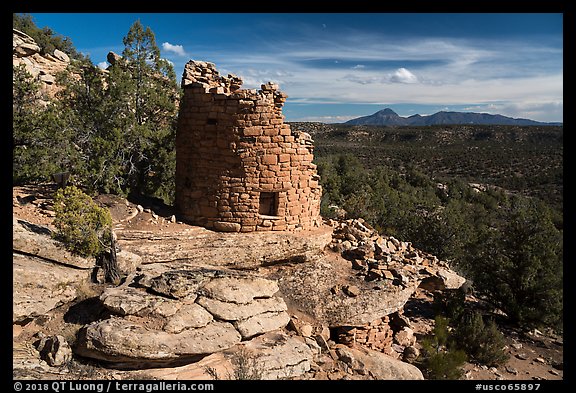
(387, 117)
(387, 112)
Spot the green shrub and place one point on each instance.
(450, 303)
(440, 359)
(483, 342)
(83, 226)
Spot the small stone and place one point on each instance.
(351, 290)
(511, 370)
(306, 330)
(54, 350)
(313, 345)
(140, 208)
(410, 354)
(522, 356)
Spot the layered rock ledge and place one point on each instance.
(181, 316)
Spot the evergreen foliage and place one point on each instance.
(481, 341)
(440, 359)
(83, 226)
(42, 143)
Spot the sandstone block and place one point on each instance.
(227, 226)
(229, 311)
(262, 323)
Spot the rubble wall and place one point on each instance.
(239, 167)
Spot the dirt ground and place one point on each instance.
(533, 356)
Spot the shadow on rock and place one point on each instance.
(86, 311)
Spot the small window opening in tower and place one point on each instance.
(268, 204)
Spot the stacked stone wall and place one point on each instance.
(239, 167)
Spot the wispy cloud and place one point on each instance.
(437, 71)
(326, 119)
(176, 49)
(103, 65)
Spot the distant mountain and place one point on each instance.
(387, 117)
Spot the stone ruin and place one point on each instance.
(239, 167)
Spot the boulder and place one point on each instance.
(190, 315)
(54, 350)
(279, 356)
(113, 58)
(310, 287)
(127, 344)
(179, 284)
(240, 289)
(261, 323)
(378, 365)
(441, 280)
(127, 261)
(134, 301)
(58, 54)
(234, 312)
(26, 49)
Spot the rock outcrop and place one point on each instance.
(272, 355)
(197, 246)
(39, 286)
(376, 277)
(45, 275)
(33, 239)
(181, 316)
(43, 67)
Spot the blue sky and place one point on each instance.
(338, 66)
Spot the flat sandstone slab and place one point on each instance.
(240, 250)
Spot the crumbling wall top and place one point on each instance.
(204, 74)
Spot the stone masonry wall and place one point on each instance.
(239, 168)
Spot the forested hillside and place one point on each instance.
(486, 198)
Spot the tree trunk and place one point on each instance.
(109, 263)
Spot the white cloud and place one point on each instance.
(176, 49)
(103, 65)
(402, 75)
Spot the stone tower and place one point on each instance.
(239, 168)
